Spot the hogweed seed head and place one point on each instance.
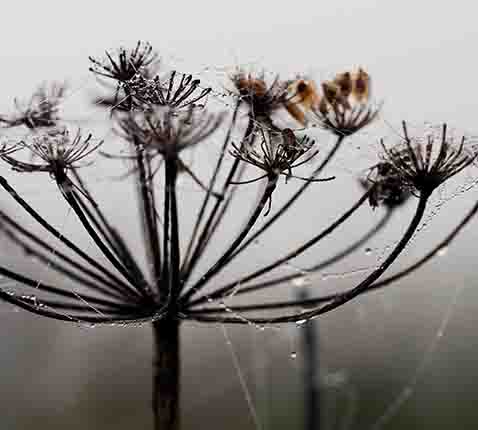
(57, 150)
(167, 131)
(277, 154)
(173, 92)
(263, 98)
(423, 163)
(143, 93)
(344, 107)
(42, 110)
(386, 185)
(123, 67)
(304, 97)
(125, 64)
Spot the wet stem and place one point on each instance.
(166, 379)
(166, 386)
(166, 374)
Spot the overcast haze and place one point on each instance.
(422, 57)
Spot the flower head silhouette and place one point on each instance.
(158, 119)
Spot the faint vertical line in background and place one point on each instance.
(311, 370)
(262, 376)
(242, 379)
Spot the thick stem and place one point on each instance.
(166, 374)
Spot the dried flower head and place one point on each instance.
(304, 97)
(262, 98)
(167, 131)
(387, 186)
(124, 64)
(424, 162)
(58, 151)
(122, 67)
(142, 93)
(41, 110)
(277, 153)
(173, 92)
(344, 107)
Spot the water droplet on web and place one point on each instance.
(209, 300)
(31, 299)
(368, 251)
(442, 251)
(300, 322)
(293, 355)
(300, 281)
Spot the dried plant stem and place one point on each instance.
(72, 199)
(339, 299)
(220, 263)
(375, 286)
(212, 183)
(166, 374)
(110, 234)
(171, 176)
(120, 284)
(102, 285)
(305, 272)
(296, 195)
(147, 208)
(209, 226)
(224, 291)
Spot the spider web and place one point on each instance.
(334, 380)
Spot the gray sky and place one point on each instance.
(422, 57)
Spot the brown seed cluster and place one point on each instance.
(341, 106)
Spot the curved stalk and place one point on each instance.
(210, 225)
(323, 264)
(313, 301)
(338, 299)
(210, 188)
(296, 195)
(120, 284)
(111, 235)
(220, 263)
(224, 291)
(60, 268)
(102, 284)
(70, 197)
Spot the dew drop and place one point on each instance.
(300, 322)
(300, 281)
(368, 251)
(293, 355)
(209, 300)
(442, 251)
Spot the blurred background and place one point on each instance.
(403, 357)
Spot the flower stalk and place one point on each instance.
(161, 118)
